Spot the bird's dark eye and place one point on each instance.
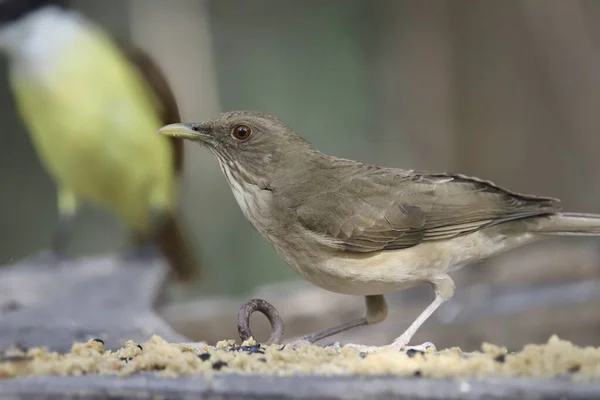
(195, 128)
(241, 132)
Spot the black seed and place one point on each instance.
(363, 354)
(417, 373)
(99, 341)
(204, 356)
(411, 352)
(262, 359)
(140, 346)
(123, 359)
(218, 365)
(574, 368)
(14, 358)
(282, 347)
(501, 358)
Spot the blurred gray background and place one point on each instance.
(508, 91)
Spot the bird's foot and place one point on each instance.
(47, 257)
(401, 344)
(421, 348)
(409, 350)
(363, 348)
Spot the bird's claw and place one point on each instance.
(422, 348)
(363, 348)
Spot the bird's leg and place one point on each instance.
(376, 312)
(443, 288)
(144, 243)
(144, 249)
(63, 234)
(67, 217)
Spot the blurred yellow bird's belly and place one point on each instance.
(94, 127)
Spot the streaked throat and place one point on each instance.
(256, 203)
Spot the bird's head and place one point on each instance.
(15, 16)
(251, 145)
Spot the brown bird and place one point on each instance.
(366, 230)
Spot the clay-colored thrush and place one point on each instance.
(366, 230)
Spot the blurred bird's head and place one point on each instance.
(17, 15)
(246, 143)
(12, 11)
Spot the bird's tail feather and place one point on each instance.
(174, 241)
(566, 224)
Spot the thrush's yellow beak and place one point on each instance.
(182, 131)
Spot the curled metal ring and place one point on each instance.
(269, 311)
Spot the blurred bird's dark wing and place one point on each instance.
(373, 209)
(168, 109)
(173, 235)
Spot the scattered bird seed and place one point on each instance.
(250, 349)
(204, 356)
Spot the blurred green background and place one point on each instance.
(508, 91)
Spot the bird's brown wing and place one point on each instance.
(151, 73)
(386, 209)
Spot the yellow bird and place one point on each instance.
(92, 107)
